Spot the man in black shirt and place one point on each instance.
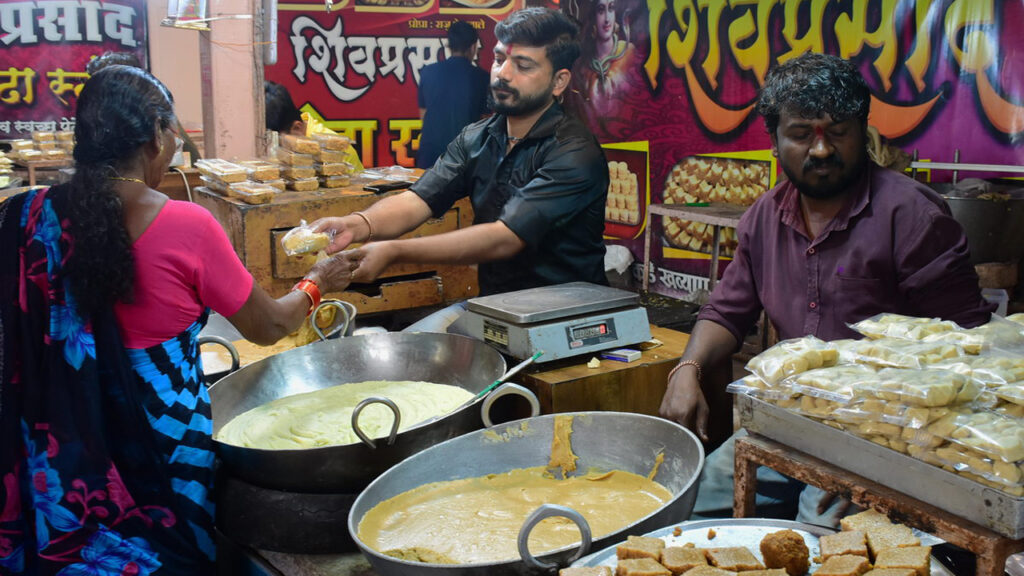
(536, 177)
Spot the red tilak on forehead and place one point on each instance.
(509, 48)
(819, 131)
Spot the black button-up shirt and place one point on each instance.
(550, 190)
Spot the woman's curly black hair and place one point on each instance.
(812, 85)
(119, 110)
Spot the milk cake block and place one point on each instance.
(640, 567)
(331, 141)
(735, 559)
(595, 571)
(916, 558)
(892, 536)
(299, 144)
(771, 572)
(708, 571)
(849, 543)
(890, 572)
(864, 520)
(641, 547)
(844, 566)
(679, 559)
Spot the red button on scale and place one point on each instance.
(813, 305)
(603, 329)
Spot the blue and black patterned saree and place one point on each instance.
(106, 462)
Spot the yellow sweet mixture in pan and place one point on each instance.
(324, 417)
(478, 519)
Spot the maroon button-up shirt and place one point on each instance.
(894, 247)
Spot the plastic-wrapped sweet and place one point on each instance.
(791, 357)
(227, 172)
(991, 370)
(836, 383)
(261, 170)
(924, 387)
(998, 334)
(888, 325)
(964, 459)
(302, 240)
(897, 353)
(299, 144)
(246, 191)
(752, 385)
(1013, 393)
(992, 434)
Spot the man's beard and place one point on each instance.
(826, 190)
(522, 105)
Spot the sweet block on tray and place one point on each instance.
(641, 547)
(844, 566)
(641, 567)
(845, 543)
(917, 558)
(733, 558)
(679, 559)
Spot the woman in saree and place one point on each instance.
(106, 459)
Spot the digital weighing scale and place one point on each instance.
(561, 321)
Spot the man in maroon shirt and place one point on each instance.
(841, 240)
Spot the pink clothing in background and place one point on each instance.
(183, 263)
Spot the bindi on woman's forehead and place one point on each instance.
(819, 131)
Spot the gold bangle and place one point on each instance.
(693, 363)
(369, 227)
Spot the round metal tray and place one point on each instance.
(746, 532)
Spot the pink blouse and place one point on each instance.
(184, 262)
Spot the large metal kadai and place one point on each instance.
(602, 440)
(441, 358)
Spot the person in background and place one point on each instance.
(452, 94)
(537, 179)
(107, 455)
(282, 115)
(841, 240)
(130, 59)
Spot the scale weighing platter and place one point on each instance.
(551, 302)
(561, 321)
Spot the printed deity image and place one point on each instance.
(699, 179)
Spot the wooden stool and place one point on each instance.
(752, 451)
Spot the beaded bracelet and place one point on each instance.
(693, 363)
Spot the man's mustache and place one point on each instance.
(504, 86)
(815, 163)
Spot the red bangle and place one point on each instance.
(312, 290)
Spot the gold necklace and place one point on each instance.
(124, 179)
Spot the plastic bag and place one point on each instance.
(898, 353)
(889, 325)
(998, 334)
(930, 388)
(791, 357)
(302, 240)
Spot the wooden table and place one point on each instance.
(717, 214)
(34, 165)
(255, 231)
(570, 386)
(752, 451)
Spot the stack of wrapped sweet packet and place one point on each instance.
(949, 396)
